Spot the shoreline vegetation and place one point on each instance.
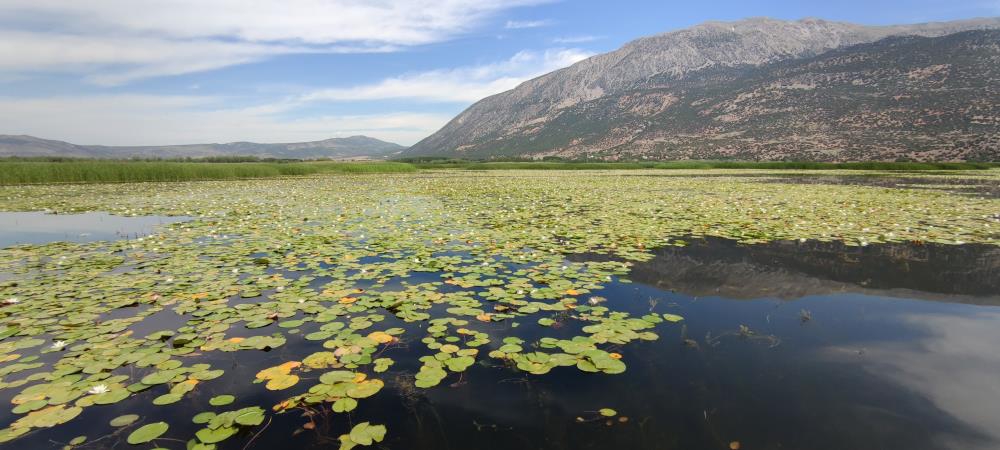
(15, 171)
(105, 171)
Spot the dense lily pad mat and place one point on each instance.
(472, 258)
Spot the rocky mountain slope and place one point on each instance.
(354, 147)
(754, 89)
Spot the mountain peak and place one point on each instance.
(567, 103)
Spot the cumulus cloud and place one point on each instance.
(112, 43)
(462, 85)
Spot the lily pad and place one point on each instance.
(221, 400)
(215, 435)
(147, 433)
(125, 420)
(367, 434)
(672, 318)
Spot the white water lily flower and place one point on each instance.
(98, 389)
(11, 301)
(58, 345)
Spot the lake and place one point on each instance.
(512, 310)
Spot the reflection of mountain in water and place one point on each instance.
(721, 267)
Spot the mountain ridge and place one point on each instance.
(656, 61)
(351, 147)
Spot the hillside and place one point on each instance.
(755, 89)
(354, 147)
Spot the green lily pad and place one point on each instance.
(147, 433)
(367, 434)
(250, 416)
(460, 363)
(203, 417)
(344, 405)
(221, 400)
(125, 420)
(212, 436)
(110, 397)
(167, 399)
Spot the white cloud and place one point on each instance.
(576, 39)
(108, 60)
(156, 120)
(520, 24)
(185, 119)
(396, 22)
(115, 41)
(462, 85)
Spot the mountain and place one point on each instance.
(757, 89)
(354, 147)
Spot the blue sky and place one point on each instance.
(130, 72)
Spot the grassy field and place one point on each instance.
(14, 171)
(91, 171)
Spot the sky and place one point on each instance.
(157, 72)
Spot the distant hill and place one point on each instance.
(354, 147)
(757, 89)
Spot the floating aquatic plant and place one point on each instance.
(327, 260)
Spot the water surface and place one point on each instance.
(784, 345)
(34, 227)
